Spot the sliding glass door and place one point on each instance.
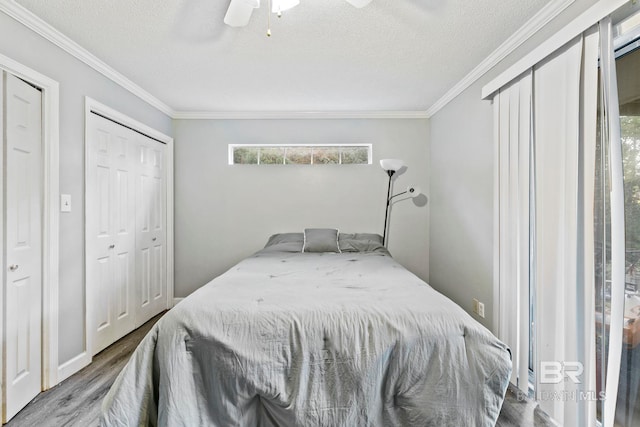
(627, 412)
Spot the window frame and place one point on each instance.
(369, 147)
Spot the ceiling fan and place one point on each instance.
(240, 11)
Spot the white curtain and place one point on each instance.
(546, 146)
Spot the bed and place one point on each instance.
(304, 333)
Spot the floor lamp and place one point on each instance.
(391, 166)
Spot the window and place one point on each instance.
(299, 154)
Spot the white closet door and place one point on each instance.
(23, 250)
(150, 229)
(111, 230)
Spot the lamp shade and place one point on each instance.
(391, 164)
(413, 191)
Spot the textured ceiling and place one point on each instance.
(323, 55)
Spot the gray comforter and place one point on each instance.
(296, 339)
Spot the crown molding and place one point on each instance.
(297, 115)
(573, 29)
(36, 24)
(532, 26)
(31, 21)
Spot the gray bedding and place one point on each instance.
(320, 339)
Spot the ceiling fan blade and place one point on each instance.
(239, 13)
(358, 3)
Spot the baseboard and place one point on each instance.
(176, 300)
(72, 366)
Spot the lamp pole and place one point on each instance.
(386, 213)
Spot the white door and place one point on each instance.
(23, 246)
(110, 220)
(150, 229)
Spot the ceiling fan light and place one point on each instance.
(358, 3)
(282, 5)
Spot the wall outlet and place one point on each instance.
(478, 308)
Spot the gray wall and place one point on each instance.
(76, 80)
(224, 213)
(461, 244)
(462, 167)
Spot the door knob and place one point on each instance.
(112, 246)
(154, 239)
(13, 267)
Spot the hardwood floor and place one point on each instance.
(518, 410)
(76, 401)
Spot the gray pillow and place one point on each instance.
(285, 242)
(320, 240)
(360, 242)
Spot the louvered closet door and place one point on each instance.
(110, 220)
(23, 244)
(150, 229)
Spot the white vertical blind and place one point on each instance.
(524, 227)
(546, 145)
(586, 343)
(514, 151)
(556, 150)
(612, 131)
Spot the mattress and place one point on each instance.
(313, 339)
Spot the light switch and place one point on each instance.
(65, 203)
